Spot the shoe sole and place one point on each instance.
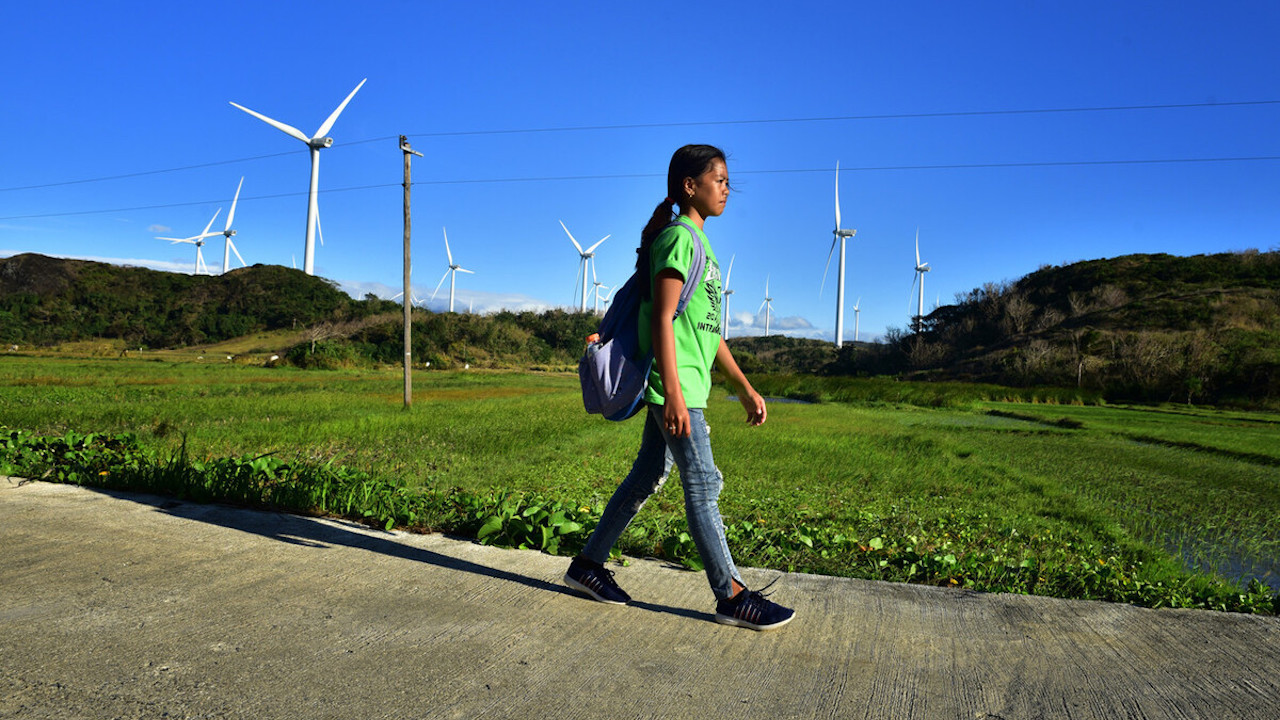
(589, 592)
(730, 620)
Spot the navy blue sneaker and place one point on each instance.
(750, 609)
(596, 581)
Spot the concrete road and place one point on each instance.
(132, 606)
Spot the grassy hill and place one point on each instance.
(1151, 327)
(47, 300)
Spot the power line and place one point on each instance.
(640, 126)
(837, 118)
(630, 176)
(143, 173)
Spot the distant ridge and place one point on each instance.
(45, 300)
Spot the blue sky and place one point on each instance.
(129, 89)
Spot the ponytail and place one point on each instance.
(689, 161)
(662, 216)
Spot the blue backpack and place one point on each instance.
(613, 377)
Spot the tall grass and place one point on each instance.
(821, 388)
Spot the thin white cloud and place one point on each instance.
(464, 300)
(159, 228)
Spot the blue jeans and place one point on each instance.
(702, 482)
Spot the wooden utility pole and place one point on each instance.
(408, 302)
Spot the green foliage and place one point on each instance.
(451, 340)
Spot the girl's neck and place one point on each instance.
(694, 216)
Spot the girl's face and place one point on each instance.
(710, 191)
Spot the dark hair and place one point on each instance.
(690, 161)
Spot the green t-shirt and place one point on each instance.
(697, 330)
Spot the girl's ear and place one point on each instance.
(689, 186)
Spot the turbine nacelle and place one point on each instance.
(844, 233)
(320, 143)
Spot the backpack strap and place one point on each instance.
(696, 269)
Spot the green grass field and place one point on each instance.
(1074, 501)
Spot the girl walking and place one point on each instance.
(675, 430)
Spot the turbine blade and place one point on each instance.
(206, 233)
(837, 195)
(761, 307)
(447, 252)
(594, 279)
(469, 272)
(324, 129)
(825, 269)
(593, 247)
(577, 278)
(234, 200)
(287, 129)
(442, 277)
(917, 246)
(319, 232)
(237, 252)
(173, 239)
(725, 287)
(575, 242)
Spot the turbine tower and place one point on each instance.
(315, 144)
(198, 241)
(586, 258)
(229, 247)
(451, 273)
(841, 235)
(724, 317)
(921, 269)
(767, 306)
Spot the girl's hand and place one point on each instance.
(754, 405)
(675, 416)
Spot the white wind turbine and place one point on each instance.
(414, 300)
(230, 247)
(726, 292)
(586, 258)
(198, 241)
(315, 144)
(921, 269)
(841, 235)
(598, 287)
(451, 273)
(856, 317)
(767, 306)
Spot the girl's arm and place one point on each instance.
(747, 395)
(666, 298)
